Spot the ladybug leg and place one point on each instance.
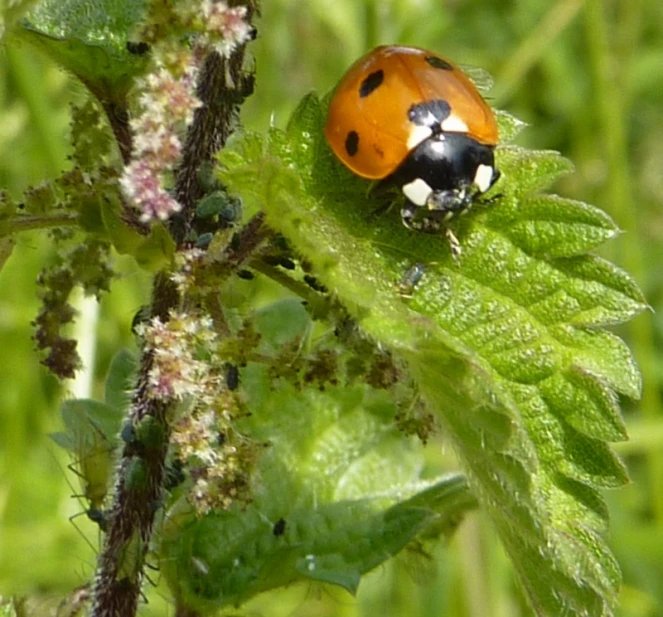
(497, 174)
(454, 245)
(417, 218)
(379, 211)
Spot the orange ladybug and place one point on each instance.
(409, 116)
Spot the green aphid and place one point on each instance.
(130, 559)
(150, 433)
(91, 430)
(135, 477)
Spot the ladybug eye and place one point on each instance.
(438, 63)
(370, 83)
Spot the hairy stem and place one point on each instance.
(29, 222)
(120, 568)
(222, 89)
(118, 118)
(139, 485)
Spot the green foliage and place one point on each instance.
(120, 380)
(225, 559)
(152, 251)
(86, 264)
(84, 211)
(335, 469)
(8, 609)
(6, 249)
(89, 39)
(506, 346)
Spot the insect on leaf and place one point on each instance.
(91, 436)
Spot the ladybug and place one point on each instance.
(410, 117)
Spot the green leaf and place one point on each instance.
(125, 239)
(157, 250)
(549, 226)
(338, 475)
(6, 249)
(89, 38)
(120, 380)
(225, 558)
(510, 127)
(505, 346)
(529, 170)
(153, 252)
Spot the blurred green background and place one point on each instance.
(586, 75)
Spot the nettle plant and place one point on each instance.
(270, 428)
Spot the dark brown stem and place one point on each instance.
(120, 569)
(246, 242)
(118, 117)
(222, 88)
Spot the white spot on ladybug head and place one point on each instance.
(418, 134)
(417, 192)
(438, 146)
(453, 124)
(483, 177)
(430, 119)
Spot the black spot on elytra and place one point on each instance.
(352, 143)
(370, 83)
(438, 63)
(431, 114)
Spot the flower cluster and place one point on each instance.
(168, 102)
(219, 465)
(225, 27)
(180, 351)
(188, 367)
(217, 486)
(187, 262)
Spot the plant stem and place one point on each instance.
(29, 222)
(560, 15)
(118, 118)
(134, 506)
(121, 562)
(222, 89)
